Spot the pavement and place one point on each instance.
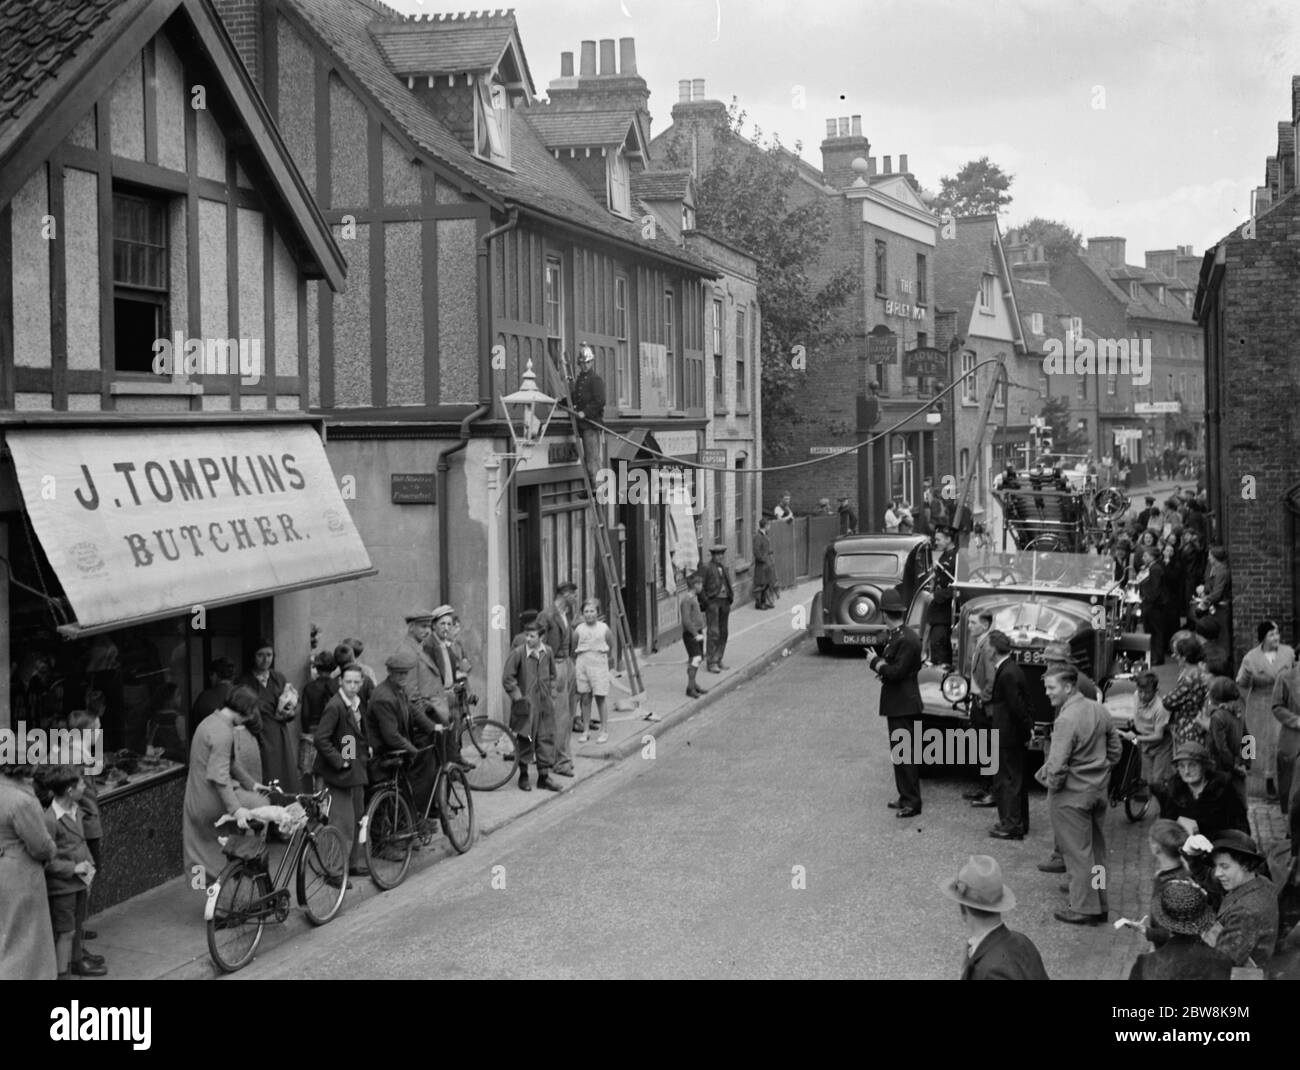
(160, 934)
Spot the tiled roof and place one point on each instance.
(574, 129)
(1144, 306)
(536, 180)
(37, 39)
(446, 44)
(1040, 297)
(661, 185)
(959, 263)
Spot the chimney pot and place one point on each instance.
(902, 164)
(831, 128)
(871, 165)
(566, 64)
(627, 55)
(856, 128)
(607, 56)
(683, 90)
(588, 65)
(889, 164)
(697, 88)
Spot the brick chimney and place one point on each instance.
(695, 121)
(613, 87)
(844, 143)
(1187, 265)
(1161, 260)
(1110, 250)
(243, 22)
(1286, 157)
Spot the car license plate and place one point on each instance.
(1029, 657)
(857, 639)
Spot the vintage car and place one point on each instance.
(1037, 598)
(856, 572)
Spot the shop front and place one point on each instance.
(136, 556)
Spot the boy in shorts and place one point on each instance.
(595, 662)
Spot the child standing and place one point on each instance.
(529, 680)
(694, 627)
(69, 873)
(595, 663)
(1151, 730)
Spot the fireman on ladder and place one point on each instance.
(588, 399)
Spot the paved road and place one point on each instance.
(684, 865)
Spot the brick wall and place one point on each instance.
(242, 19)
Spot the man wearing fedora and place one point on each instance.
(718, 596)
(1184, 912)
(900, 697)
(1012, 716)
(993, 952)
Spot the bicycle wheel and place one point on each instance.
(489, 746)
(234, 917)
(389, 837)
(1138, 800)
(456, 810)
(323, 874)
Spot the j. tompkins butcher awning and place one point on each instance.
(142, 524)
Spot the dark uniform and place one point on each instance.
(900, 703)
(718, 596)
(939, 615)
(589, 400)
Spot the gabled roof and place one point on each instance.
(580, 129)
(1116, 283)
(1040, 297)
(450, 43)
(58, 57)
(961, 261)
(535, 181)
(661, 185)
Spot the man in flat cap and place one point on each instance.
(718, 596)
(424, 686)
(529, 680)
(394, 723)
(992, 952)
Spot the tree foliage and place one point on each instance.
(1055, 237)
(743, 196)
(979, 188)
(1066, 436)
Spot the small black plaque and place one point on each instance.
(415, 488)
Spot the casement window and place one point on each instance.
(1112, 385)
(492, 122)
(719, 357)
(1036, 323)
(882, 267)
(741, 508)
(554, 301)
(670, 342)
(626, 369)
(986, 293)
(688, 217)
(922, 289)
(969, 386)
(719, 477)
(619, 183)
(140, 280)
(740, 357)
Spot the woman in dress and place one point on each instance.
(218, 784)
(278, 738)
(1186, 702)
(26, 935)
(1259, 670)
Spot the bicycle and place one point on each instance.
(1128, 786)
(485, 744)
(245, 895)
(389, 832)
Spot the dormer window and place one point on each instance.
(1036, 323)
(688, 217)
(492, 123)
(1160, 294)
(1133, 290)
(619, 184)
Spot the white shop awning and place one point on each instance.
(144, 524)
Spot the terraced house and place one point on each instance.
(484, 232)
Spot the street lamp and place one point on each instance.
(934, 416)
(532, 409)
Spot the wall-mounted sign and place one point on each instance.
(678, 443)
(415, 488)
(1156, 408)
(905, 311)
(926, 361)
(826, 451)
(562, 453)
(882, 346)
(713, 458)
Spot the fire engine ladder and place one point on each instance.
(608, 564)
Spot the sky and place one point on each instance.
(1150, 120)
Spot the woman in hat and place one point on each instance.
(993, 952)
(1198, 798)
(1183, 911)
(1259, 671)
(1246, 928)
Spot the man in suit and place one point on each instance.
(342, 761)
(993, 952)
(1012, 716)
(900, 699)
(982, 667)
(394, 723)
(938, 617)
(1151, 590)
(718, 596)
(424, 687)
